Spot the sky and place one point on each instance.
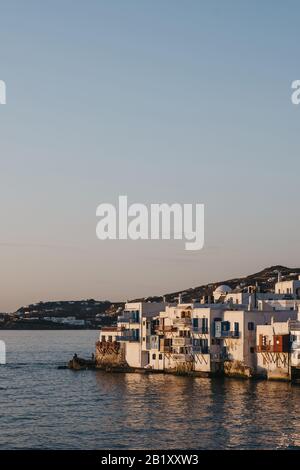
(162, 101)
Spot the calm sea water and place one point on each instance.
(42, 407)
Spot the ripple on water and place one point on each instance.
(44, 407)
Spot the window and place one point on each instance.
(110, 339)
(195, 322)
(135, 335)
(184, 334)
(250, 326)
(225, 325)
(252, 350)
(236, 327)
(153, 356)
(204, 325)
(160, 357)
(204, 346)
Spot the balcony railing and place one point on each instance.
(183, 357)
(127, 320)
(166, 329)
(182, 321)
(181, 342)
(228, 334)
(295, 326)
(201, 350)
(271, 348)
(165, 349)
(127, 338)
(200, 329)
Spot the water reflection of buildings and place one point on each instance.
(167, 411)
(153, 406)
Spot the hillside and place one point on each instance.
(266, 279)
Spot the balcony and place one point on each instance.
(165, 329)
(109, 329)
(200, 330)
(271, 348)
(127, 320)
(182, 321)
(183, 357)
(127, 338)
(228, 334)
(129, 335)
(165, 349)
(181, 342)
(200, 350)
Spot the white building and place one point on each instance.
(273, 347)
(209, 340)
(221, 291)
(222, 337)
(288, 288)
(130, 329)
(278, 349)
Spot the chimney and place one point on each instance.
(279, 277)
(180, 299)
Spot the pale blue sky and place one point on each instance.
(163, 101)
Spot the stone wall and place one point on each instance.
(110, 354)
(237, 369)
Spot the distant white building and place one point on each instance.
(221, 291)
(288, 288)
(284, 290)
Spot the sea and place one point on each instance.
(44, 406)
